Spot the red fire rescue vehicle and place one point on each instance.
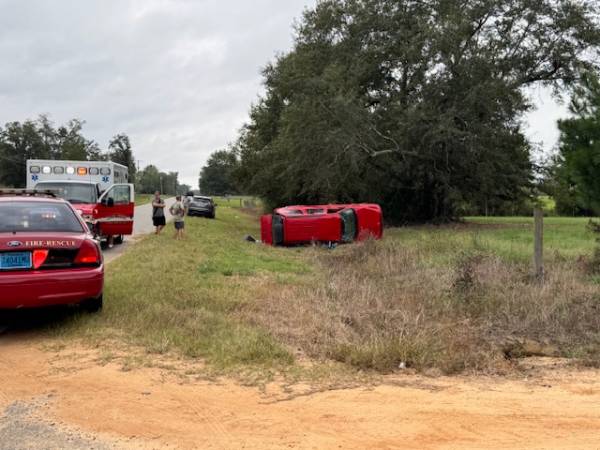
(47, 256)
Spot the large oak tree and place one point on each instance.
(413, 104)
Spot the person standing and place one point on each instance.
(177, 210)
(187, 199)
(158, 212)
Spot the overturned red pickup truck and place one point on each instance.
(296, 225)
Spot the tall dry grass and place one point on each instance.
(379, 305)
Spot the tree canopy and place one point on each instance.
(119, 151)
(151, 179)
(577, 168)
(39, 139)
(412, 104)
(217, 176)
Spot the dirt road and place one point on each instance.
(150, 408)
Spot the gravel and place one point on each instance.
(23, 428)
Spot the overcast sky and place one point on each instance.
(178, 76)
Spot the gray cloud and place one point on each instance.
(178, 76)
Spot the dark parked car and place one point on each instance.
(201, 206)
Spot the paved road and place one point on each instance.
(143, 217)
(142, 225)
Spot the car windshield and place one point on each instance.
(201, 201)
(38, 217)
(72, 192)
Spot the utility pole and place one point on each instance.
(137, 172)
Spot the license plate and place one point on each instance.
(15, 260)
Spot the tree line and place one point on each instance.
(151, 179)
(573, 176)
(41, 139)
(416, 105)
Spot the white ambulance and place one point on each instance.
(101, 173)
(99, 190)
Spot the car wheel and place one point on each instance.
(92, 305)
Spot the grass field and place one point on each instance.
(142, 199)
(457, 297)
(508, 237)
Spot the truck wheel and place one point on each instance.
(92, 305)
(119, 239)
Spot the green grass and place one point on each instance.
(185, 296)
(142, 199)
(508, 237)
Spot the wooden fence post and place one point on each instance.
(538, 243)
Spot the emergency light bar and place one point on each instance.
(27, 193)
(70, 170)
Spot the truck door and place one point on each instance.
(114, 210)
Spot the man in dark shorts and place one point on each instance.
(178, 213)
(158, 212)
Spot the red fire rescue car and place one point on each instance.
(47, 255)
(295, 225)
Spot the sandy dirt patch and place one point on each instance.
(558, 408)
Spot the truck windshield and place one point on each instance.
(72, 192)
